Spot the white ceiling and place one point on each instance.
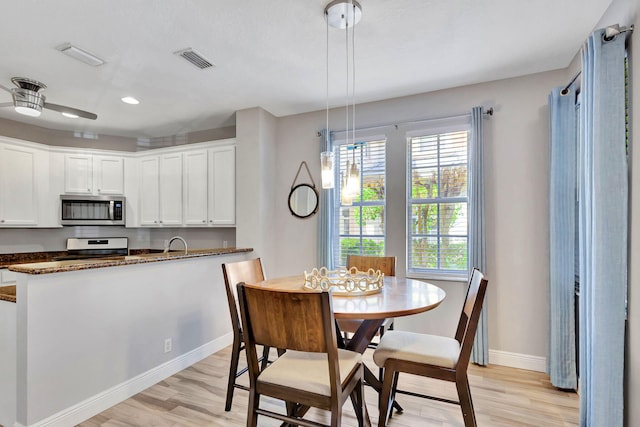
(270, 54)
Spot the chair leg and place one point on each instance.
(265, 357)
(359, 406)
(233, 369)
(254, 403)
(336, 417)
(385, 402)
(464, 394)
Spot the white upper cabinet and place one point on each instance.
(191, 185)
(108, 172)
(209, 187)
(93, 174)
(222, 186)
(196, 188)
(171, 189)
(160, 199)
(18, 185)
(149, 199)
(78, 173)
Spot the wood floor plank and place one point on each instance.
(502, 397)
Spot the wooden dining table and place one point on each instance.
(398, 297)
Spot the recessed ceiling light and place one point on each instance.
(130, 100)
(70, 115)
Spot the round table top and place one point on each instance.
(399, 297)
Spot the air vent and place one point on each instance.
(195, 58)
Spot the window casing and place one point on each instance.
(437, 201)
(359, 228)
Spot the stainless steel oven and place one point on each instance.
(92, 210)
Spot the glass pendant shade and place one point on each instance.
(345, 197)
(353, 184)
(326, 162)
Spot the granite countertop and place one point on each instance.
(24, 257)
(8, 293)
(85, 264)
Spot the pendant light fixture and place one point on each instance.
(343, 14)
(327, 157)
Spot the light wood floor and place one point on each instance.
(502, 397)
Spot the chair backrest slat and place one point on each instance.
(249, 271)
(295, 320)
(386, 264)
(470, 315)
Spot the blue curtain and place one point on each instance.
(325, 248)
(561, 360)
(477, 256)
(603, 231)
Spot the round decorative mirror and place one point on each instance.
(303, 200)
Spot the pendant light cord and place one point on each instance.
(353, 70)
(327, 127)
(346, 34)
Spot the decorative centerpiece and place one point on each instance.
(343, 282)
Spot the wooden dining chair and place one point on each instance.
(312, 372)
(433, 356)
(249, 271)
(387, 266)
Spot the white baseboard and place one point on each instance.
(518, 360)
(108, 398)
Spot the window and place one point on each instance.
(359, 222)
(437, 229)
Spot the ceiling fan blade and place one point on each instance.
(6, 88)
(70, 110)
(6, 104)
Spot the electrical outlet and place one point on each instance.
(167, 345)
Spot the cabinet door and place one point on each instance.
(78, 173)
(171, 189)
(109, 174)
(18, 189)
(195, 188)
(222, 186)
(149, 191)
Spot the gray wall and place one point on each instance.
(516, 156)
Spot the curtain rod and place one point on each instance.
(609, 34)
(488, 112)
(573, 80)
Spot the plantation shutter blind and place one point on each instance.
(437, 200)
(359, 228)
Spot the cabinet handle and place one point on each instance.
(160, 221)
(155, 222)
(1, 220)
(89, 190)
(204, 220)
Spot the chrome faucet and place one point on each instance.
(184, 242)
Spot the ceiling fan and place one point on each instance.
(28, 100)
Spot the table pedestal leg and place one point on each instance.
(360, 342)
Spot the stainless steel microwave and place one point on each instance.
(92, 210)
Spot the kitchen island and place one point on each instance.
(86, 334)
